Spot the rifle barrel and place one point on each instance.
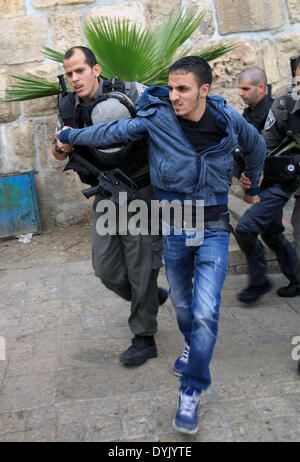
(63, 84)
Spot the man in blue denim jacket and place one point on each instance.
(191, 140)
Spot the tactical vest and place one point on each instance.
(285, 168)
(79, 117)
(289, 122)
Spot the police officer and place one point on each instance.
(252, 84)
(296, 211)
(265, 217)
(126, 264)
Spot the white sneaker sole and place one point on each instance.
(178, 374)
(184, 430)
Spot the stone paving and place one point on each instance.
(62, 380)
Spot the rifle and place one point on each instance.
(112, 184)
(239, 162)
(293, 60)
(115, 186)
(62, 84)
(269, 86)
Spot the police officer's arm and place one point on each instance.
(273, 133)
(254, 147)
(246, 183)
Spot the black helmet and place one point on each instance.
(115, 106)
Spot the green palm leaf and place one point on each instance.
(214, 51)
(128, 51)
(56, 56)
(30, 88)
(123, 50)
(175, 30)
(173, 33)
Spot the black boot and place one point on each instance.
(292, 290)
(252, 293)
(142, 348)
(162, 295)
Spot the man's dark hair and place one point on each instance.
(90, 58)
(198, 66)
(255, 74)
(297, 62)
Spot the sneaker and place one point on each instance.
(253, 293)
(181, 361)
(142, 348)
(186, 419)
(163, 295)
(292, 290)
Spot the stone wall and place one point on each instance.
(267, 33)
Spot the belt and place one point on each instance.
(220, 223)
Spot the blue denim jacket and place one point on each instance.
(176, 169)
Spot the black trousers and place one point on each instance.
(265, 219)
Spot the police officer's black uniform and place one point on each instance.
(265, 217)
(258, 115)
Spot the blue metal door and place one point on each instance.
(18, 204)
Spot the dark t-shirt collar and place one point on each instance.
(98, 93)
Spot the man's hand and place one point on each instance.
(246, 183)
(251, 199)
(65, 147)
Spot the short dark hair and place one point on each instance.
(255, 74)
(298, 62)
(198, 66)
(90, 58)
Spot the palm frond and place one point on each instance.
(176, 29)
(122, 49)
(215, 51)
(30, 88)
(171, 34)
(128, 51)
(56, 56)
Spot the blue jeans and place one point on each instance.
(197, 302)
